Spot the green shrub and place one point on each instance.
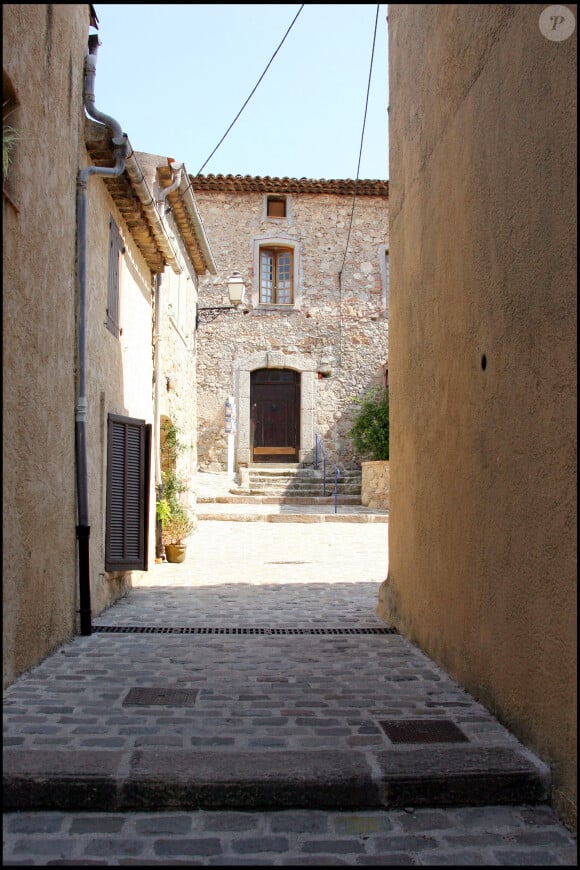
(370, 430)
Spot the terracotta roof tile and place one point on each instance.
(266, 184)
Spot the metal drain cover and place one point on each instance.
(167, 629)
(423, 731)
(151, 697)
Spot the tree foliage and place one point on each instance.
(370, 429)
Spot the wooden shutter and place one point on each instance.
(115, 245)
(128, 464)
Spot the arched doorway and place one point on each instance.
(275, 415)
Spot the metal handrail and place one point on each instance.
(317, 442)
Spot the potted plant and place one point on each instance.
(370, 436)
(177, 526)
(173, 517)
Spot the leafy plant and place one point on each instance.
(10, 137)
(370, 430)
(176, 524)
(176, 527)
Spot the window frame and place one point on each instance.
(272, 199)
(276, 251)
(384, 268)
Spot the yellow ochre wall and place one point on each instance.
(482, 362)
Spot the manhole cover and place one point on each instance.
(423, 731)
(144, 697)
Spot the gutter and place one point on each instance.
(140, 185)
(185, 192)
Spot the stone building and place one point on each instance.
(483, 342)
(86, 243)
(312, 333)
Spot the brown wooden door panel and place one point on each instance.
(275, 404)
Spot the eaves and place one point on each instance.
(188, 220)
(130, 193)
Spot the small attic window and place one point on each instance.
(276, 207)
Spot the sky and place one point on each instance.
(175, 76)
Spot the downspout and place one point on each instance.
(177, 170)
(120, 143)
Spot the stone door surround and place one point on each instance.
(243, 367)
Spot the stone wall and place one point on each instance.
(337, 330)
(375, 484)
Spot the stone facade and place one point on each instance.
(334, 334)
(483, 382)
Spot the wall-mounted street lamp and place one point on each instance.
(236, 291)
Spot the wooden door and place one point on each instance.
(275, 415)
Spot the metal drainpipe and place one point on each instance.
(121, 149)
(177, 170)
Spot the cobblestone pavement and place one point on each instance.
(266, 693)
(484, 836)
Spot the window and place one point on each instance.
(276, 207)
(128, 462)
(115, 250)
(276, 276)
(385, 276)
(178, 285)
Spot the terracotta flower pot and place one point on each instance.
(175, 552)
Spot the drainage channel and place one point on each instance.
(156, 629)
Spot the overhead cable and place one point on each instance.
(252, 93)
(361, 144)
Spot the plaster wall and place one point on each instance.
(43, 54)
(482, 531)
(339, 330)
(119, 373)
(178, 394)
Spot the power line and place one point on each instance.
(340, 316)
(361, 143)
(253, 91)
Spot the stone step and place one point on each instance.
(249, 499)
(304, 490)
(304, 483)
(124, 781)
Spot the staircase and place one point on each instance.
(294, 482)
(288, 493)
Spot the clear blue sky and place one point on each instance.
(175, 77)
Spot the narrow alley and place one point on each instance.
(241, 708)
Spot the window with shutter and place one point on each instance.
(128, 463)
(115, 248)
(276, 207)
